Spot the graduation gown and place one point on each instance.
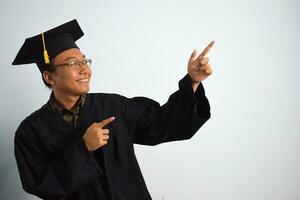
(55, 164)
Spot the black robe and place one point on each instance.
(54, 162)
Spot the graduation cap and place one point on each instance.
(41, 48)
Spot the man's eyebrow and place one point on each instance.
(71, 57)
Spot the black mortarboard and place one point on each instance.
(39, 48)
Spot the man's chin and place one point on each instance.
(80, 92)
(85, 91)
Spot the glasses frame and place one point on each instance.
(78, 63)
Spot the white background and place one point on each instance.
(248, 150)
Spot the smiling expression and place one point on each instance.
(73, 80)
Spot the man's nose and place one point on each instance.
(84, 68)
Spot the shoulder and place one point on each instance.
(30, 124)
(121, 102)
(119, 98)
(106, 97)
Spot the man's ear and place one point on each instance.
(48, 77)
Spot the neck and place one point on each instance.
(65, 100)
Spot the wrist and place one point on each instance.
(86, 145)
(195, 85)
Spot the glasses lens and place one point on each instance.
(87, 62)
(73, 63)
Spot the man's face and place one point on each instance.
(73, 80)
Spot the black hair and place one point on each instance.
(50, 69)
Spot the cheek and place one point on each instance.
(67, 77)
(89, 72)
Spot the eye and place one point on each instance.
(87, 62)
(73, 63)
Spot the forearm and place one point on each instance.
(58, 178)
(178, 119)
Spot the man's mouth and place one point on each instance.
(83, 80)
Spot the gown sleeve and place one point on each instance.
(49, 179)
(178, 119)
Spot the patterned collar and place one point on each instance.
(69, 116)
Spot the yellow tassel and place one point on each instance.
(46, 56)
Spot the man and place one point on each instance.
(80, 145)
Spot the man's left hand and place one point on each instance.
(198, 67)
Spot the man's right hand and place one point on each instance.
(95, 136)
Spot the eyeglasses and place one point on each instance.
(76, 63)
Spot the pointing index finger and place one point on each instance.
(206, 50)
(106, 121)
